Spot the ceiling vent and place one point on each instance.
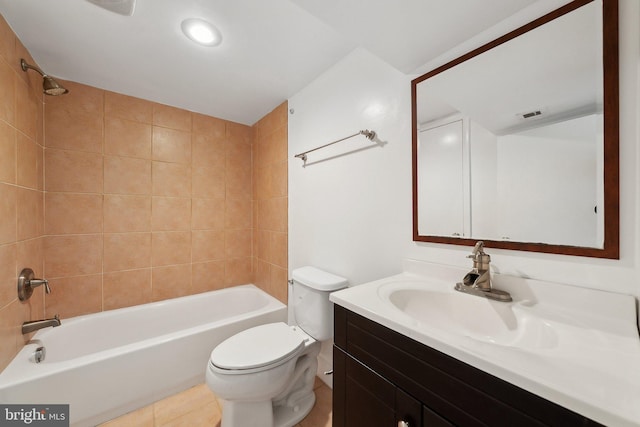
(531, 114)
(121, 7)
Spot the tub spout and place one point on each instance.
(39, 324)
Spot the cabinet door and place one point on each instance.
(431, 419)
(408, 410)
(369, 398)
(440, 192)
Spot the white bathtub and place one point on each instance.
(106, 364)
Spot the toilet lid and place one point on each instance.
(257, 347)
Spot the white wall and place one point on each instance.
(483, 165)
(547, 184)
(351, 214)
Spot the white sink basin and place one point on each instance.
(500, 323)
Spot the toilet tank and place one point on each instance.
(311, 306)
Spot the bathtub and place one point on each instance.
(107, 364)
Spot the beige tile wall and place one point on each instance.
(143, 202)
(21, 195)
(271, 202)
(130, 201)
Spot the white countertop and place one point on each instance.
(591, 366)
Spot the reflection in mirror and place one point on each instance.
(516, 143)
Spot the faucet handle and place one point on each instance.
(478, 248)
(26, 283)
(480, 258)
(37, 282)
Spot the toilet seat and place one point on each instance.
(257, 349)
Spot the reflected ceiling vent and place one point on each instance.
(532, 114)
(121, 7)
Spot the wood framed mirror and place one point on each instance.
(516, 143)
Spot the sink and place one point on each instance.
(550, 334)
(480, 319)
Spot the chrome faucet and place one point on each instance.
(478, 280)
(34, 325)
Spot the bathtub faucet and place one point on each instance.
(34, 325)
(27, 282)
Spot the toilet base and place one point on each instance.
(247, 414)
(265, 414)
(287, 416)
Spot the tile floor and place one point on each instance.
(198, 406)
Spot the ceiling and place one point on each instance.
(270, 49)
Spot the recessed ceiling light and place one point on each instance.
(201, 32)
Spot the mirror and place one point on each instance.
(516, 143)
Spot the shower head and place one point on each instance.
(49, 85)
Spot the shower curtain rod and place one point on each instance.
(368, 133)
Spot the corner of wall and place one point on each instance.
(270, 202)
(21, 189)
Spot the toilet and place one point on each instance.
(265, 375)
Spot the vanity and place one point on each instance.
(491, 154)
(411, 351)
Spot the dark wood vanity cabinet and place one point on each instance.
(382, 377)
